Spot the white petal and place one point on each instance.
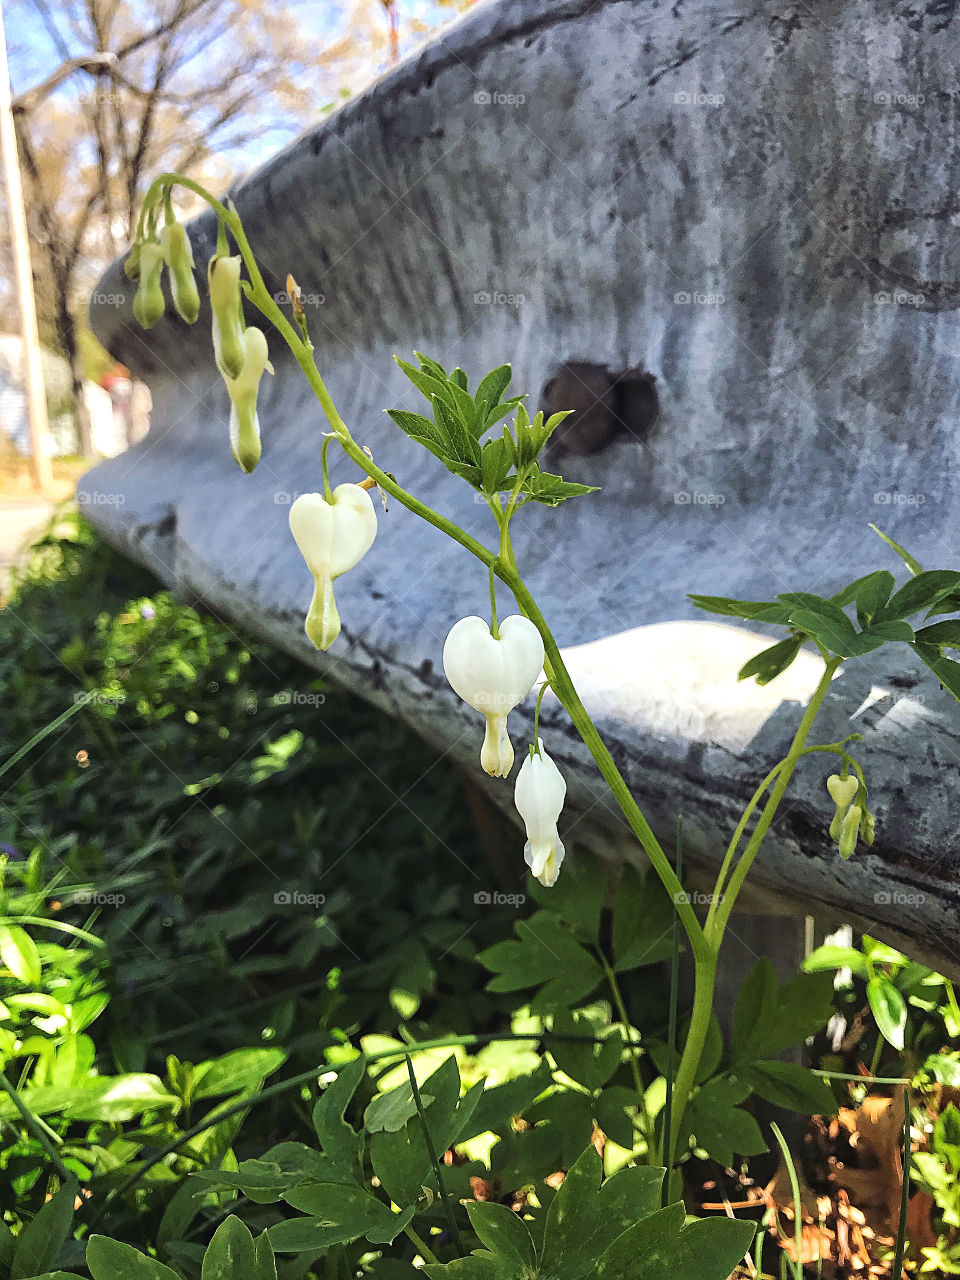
(492, 675)
(333, 536)
(544, 859)
(539, 795)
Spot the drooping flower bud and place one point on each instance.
(492, 676)
(850, 830)
(178, 255)
(148, 304)
(868, 828)
(131, 267)
(244, 423)
(332, 536)
(223, 279)
(539, 794)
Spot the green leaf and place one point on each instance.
(552, 490)
(772, 662)
(340, 1143)
(119, 1098)
(828, 623)
(19, 954)
(498, 1105)
(577, 899)
(230, 1254)
(344, 1212)
(870, 592)
(889, 1009)
(768, 1019)
(709, 1249)
(389, 1112)
(476, 1267)
(241, 1070)
(547, 953)
(922, 592)
(614, 1108)
(720, 1126)
(401, 1160)
(790, 1085)
(262, 1181)
(265, 1264)
(41, 1240)
(591, 1065)
(493, 385)
(753, 610)
(905, 556)
(642, 921)
(830, 958)
(113, 1260)
(584, 1214)
(945, 634)
(503, 1232)
(416, 426)
(945, 669)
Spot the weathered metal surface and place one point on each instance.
(731, 232)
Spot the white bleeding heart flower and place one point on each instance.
(492, 675)
(842, 792)
(332, 536)
(539, 795)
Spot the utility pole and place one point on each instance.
(33, 368)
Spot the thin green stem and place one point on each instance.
(797, 1204)
(33, 1123)
(494, 624)
(632, 1045)
(420, 1245)
(735, 841)
(667, 1129)
(325, 468)
(896, 1271)
(434, 1161)
(41, 734)
(740, 872)
(536, 714)
(705, 980)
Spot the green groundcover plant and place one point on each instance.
(402, 1146)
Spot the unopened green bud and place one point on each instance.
(149, 305)
(223, 278)
(178, 255)
(131, 268)
(850, 830)
(244, 423)
(868, 829)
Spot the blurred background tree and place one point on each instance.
(207, 87)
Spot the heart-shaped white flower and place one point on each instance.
(492, 675)
(332, 536)
(539, 794)
(842, 790)
(243, 389)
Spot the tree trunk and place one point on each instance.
(68, 340)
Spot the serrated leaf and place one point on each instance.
(503, 1232)
(546, 955)
(584, 1214)
(493, 385)
(591, 1065)
(552, 490)
(643, 915)
(870, 593)
(709, 1249)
